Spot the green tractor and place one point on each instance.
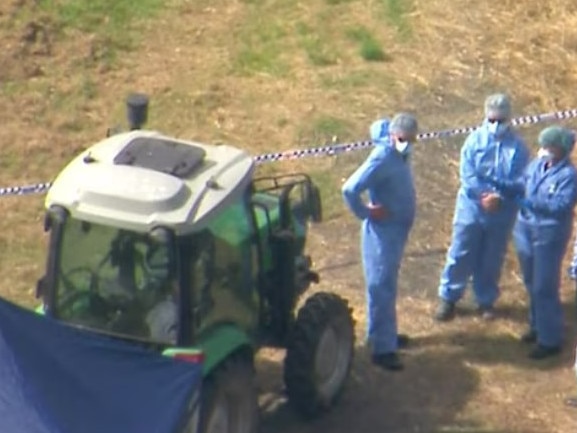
(176, 246)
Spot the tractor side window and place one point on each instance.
(224, 269)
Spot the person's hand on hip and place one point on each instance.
(377, 212)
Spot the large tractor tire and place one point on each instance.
(319, 354)
(229, 402)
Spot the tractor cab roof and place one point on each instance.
(142, 179)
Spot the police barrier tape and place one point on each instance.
(331, 150)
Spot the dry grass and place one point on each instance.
(269, 75)
(526, 48)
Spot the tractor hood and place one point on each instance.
(142, 179)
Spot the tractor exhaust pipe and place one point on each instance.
(136, 110)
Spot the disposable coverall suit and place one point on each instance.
(479, 238)
(386, 176)
(572, 271)
(541, 235)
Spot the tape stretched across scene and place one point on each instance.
(335, 149)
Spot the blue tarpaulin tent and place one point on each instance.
(57, 379)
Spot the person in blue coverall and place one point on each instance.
(387, 217)
(572, 271)
(541, 236)
(483, 219)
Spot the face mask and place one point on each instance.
(497, 128)
(403, 147)
(501, 129)
(545, 154)
(492, 127)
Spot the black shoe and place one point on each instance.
(571, 402)
(542, 352)
(529, 337)
(445, 311)
(403, 341)
(388, 361)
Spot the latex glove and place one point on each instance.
(377, 212)
(490, 201)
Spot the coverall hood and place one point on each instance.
(379, 132)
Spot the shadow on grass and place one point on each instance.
(411, 254)
(490, 347)
(426, 397)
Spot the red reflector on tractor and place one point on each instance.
(194, 358)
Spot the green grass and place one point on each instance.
(338, 2)
(86, 89)
(101, 16)
(324, 129)
(364, 78)
(111, 21)
(10, 164)
(395, 12)
(71, 104)
(327, 172)
(370, 48)
(260, 47)
(329, 184)
(11, 88)
(327, 129)
(252, 60)
(317, 47)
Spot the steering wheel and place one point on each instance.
(72, 293)
(67, 279)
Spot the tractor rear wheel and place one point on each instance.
(319, 354)
(229, 401)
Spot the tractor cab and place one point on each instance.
(130, 219)
(158, 239)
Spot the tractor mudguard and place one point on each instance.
(213, 347)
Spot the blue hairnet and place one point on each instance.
(498, 106)
(404, 123)
(557, 136)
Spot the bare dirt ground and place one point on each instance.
(59, 94)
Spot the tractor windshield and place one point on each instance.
(115, 281)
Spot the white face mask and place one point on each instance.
(492, 127)
(544, 153)
(403, 146)
(497, 128)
